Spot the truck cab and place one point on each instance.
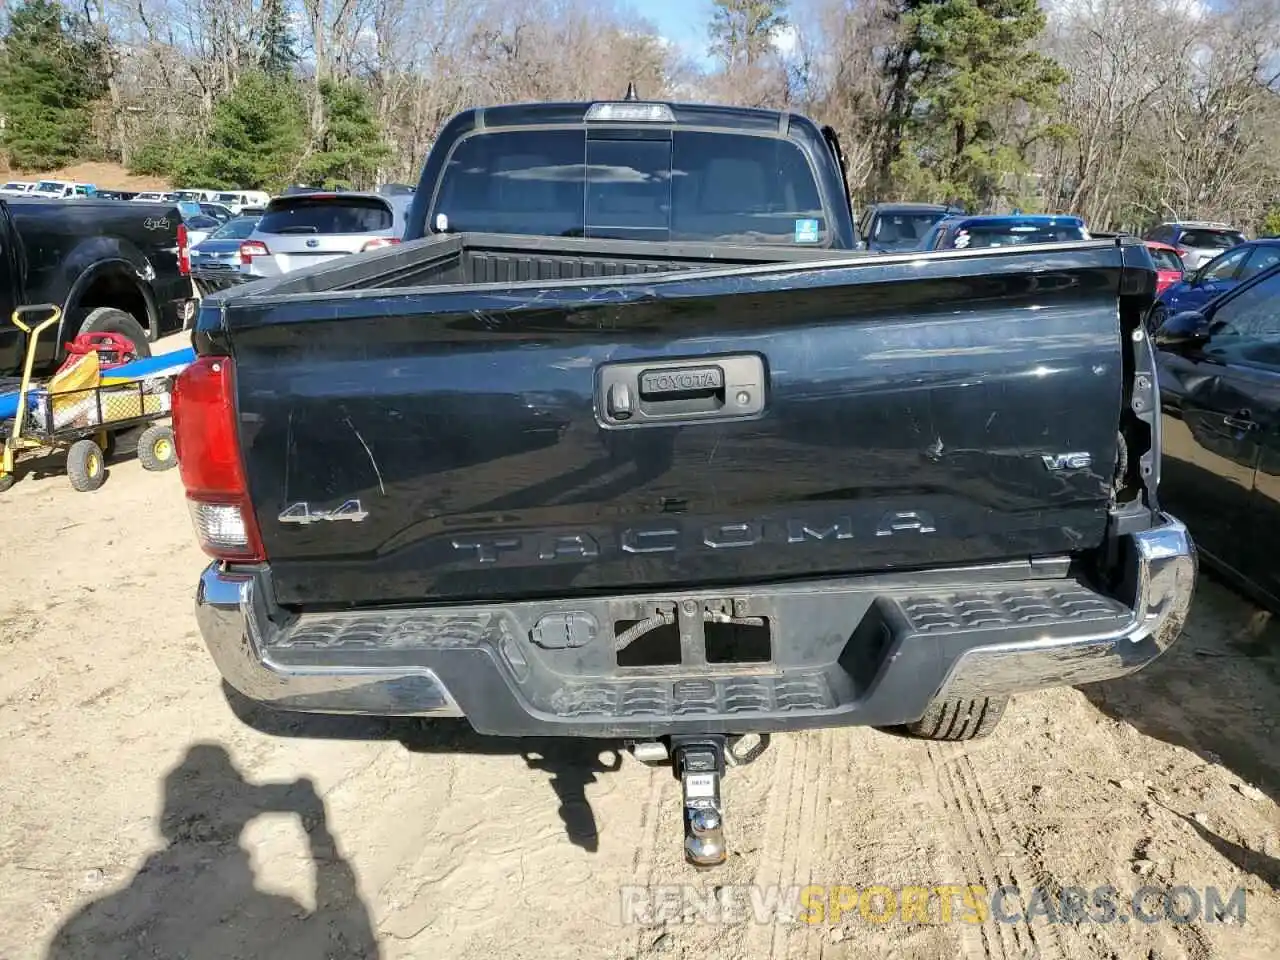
(633, 170)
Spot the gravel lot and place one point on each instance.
(142, 816)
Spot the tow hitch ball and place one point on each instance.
(699, 763)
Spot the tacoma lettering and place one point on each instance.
(667, 538)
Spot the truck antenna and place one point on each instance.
(631, 91)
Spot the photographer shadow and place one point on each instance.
(197, 898)
(573, 765)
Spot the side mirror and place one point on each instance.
(1182, 331)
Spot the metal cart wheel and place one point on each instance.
(156, 450)
(86, 466)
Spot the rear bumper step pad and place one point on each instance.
(867, 650)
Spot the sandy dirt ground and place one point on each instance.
(106, 176)
(141, 816)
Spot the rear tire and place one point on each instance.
(7, 481)
(111, 320)
(959, 719)
(86, 466)
(155, 448)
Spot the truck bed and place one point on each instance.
(479, 258)
(808, 414)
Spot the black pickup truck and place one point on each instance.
(626, 441)
(112, 267)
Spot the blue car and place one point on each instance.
(1217, 276)
(220, 250)
(971, 233)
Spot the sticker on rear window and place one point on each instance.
(806, 231)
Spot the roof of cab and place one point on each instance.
(908, 207)
(574, 113)
(995, 220)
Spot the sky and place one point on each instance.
(683, 22)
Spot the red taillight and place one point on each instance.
(184, 252)
(253, 248)
(208, 447)
(377, 243)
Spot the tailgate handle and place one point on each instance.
(652, 392)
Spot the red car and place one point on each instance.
(1169, 267)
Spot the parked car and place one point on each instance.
(154, 196)
(62, 189)
(1219, 365)
(217, 211)
(17, 188)
(195, 195)
(1196, 241)
(1169, 268)
(1216, 277)
(199, 227)
(115, 195)
(111, 267)
(236, 200)
(899, 226)
(969, 233)
(215, 260)
(305, 229)
(603, 451)
(294, 189)
(212, 211)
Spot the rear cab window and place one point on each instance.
(662, 185)
(327, 215)
(969, 236)
(903, 229)
(1211, 239)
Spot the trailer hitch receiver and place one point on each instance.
(699, 764)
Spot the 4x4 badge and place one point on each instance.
(303, 513)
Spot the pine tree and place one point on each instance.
(968, 88)
(256, 137)
(978, 69)
(278, 46)
(743, 31)
(350, 146)
(50, 74)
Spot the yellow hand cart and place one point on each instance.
(75, 413)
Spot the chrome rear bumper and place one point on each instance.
(868, 650)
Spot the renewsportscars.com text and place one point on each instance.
(941, 904)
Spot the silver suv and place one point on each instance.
(1197, 241)
(306, 229)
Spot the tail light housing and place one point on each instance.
(377, 243)
(208, 446)
(184, 251)
(252, 248)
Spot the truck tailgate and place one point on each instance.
(465, 443)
